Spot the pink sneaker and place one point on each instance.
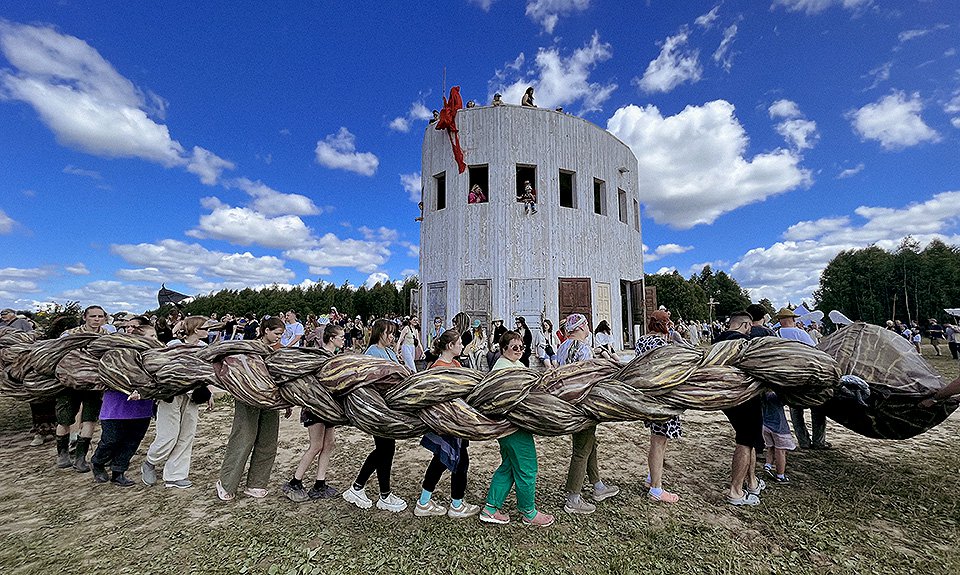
(539, 520)
(498, 518)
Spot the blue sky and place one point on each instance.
(232, 144)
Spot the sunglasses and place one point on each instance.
(517, 347)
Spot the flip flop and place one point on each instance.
(747, 499)
(666, 497)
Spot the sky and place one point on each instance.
(211, 145)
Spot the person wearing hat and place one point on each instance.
(479, 345)
(583, 459)
(789, 330)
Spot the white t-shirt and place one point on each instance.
(290, 331)
(796, 334)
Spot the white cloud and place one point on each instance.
(908, 35)
(800, 134)
(113, 295)
(894, 121)
(6, 223)
(376, 278)
(408, 273)
(339, 151)
(880, 74)
(548, 12)
(784, 109)
(87, 104)
(411, 183)
(706, 20)
(558, 81)
(417, 112)
(92, 174)
(413, 250)
(270, 202)
(380, 234)
(665, 270)
(809, 246)
(207, 166)
(723, 57)
(245, 226)
(331, 251)
(483, 4)
(674, 66)
(693, 166)
(851, 171)
(664, 250)
(78, 269)
(955, 122)
(198, 267)
(817, 6)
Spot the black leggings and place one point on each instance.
(381, 461)
(458, 479)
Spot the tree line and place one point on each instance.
(380, 300)
(906, 284)
(689, 298)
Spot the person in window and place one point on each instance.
(476, 195)
(529, 198)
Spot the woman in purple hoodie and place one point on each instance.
(124, 420)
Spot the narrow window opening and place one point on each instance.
(479, 185)
(568, 198)
(622, 205)
(527, 184)
(440, 181)
(599, 197)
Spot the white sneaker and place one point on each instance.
(464, 511)
(431, 509)
(391, 503)
(37, 441)
(358, 498)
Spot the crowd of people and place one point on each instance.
(760, 424)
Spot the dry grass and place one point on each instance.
(866, 506)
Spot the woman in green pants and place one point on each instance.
(253, 436)
(519, 454)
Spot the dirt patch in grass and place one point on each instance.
(865, 506)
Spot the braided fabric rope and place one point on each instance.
(387, 400)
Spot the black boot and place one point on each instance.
(99, 473)
(80, 456)
(120, 480)
(63, 453)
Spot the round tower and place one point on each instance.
(495, 258)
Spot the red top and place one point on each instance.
(441, 363)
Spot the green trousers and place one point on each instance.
(519, 455)
(583, 461)
(254, 430)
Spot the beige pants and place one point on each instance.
(176, 428)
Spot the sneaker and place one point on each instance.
(391, 503)
(179, 484)
(781, 480)
(497, 517)
(824, 445)
(771, 472)
(255, 492)
(100, 474)
(431, 509)
(748, 499)
(148, 473)
(539, 520)
(607, 492)
(122, 481)
(325, 493)
(37, 441)
(579, 506)
(295, 494)
(464, 511)
(760, 487)
(222, 492)
(358, 498)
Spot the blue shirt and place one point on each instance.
(773, 417)
(383, 353)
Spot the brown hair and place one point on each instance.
(271, 323)
(444, 341)
(330, 331)
(189, 325)
(381, 328)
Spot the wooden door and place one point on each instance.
(436, 303)
(527, 301)
(475, 300)
(575, 297)
(603, 302)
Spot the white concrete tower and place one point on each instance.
(581, 252)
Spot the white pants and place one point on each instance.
(176, 428)
(408, 352)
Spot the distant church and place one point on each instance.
(486, 253)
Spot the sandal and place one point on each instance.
(761, 485)
(222, 493)
(747, 499)
(665, 496)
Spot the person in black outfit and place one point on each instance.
(527, 336)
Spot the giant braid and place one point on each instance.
(387, 400)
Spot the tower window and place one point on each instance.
(479, 192)
(440, 181)
(568, 198)
(636, 215)
(526, 175)
(622, 204)
(599, 197)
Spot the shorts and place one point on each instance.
(778, 440)
(747, 422)
(308, 418)
(670, 428)
(71, 401)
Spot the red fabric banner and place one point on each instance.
(448, 122)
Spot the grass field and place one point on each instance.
(866, 506)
